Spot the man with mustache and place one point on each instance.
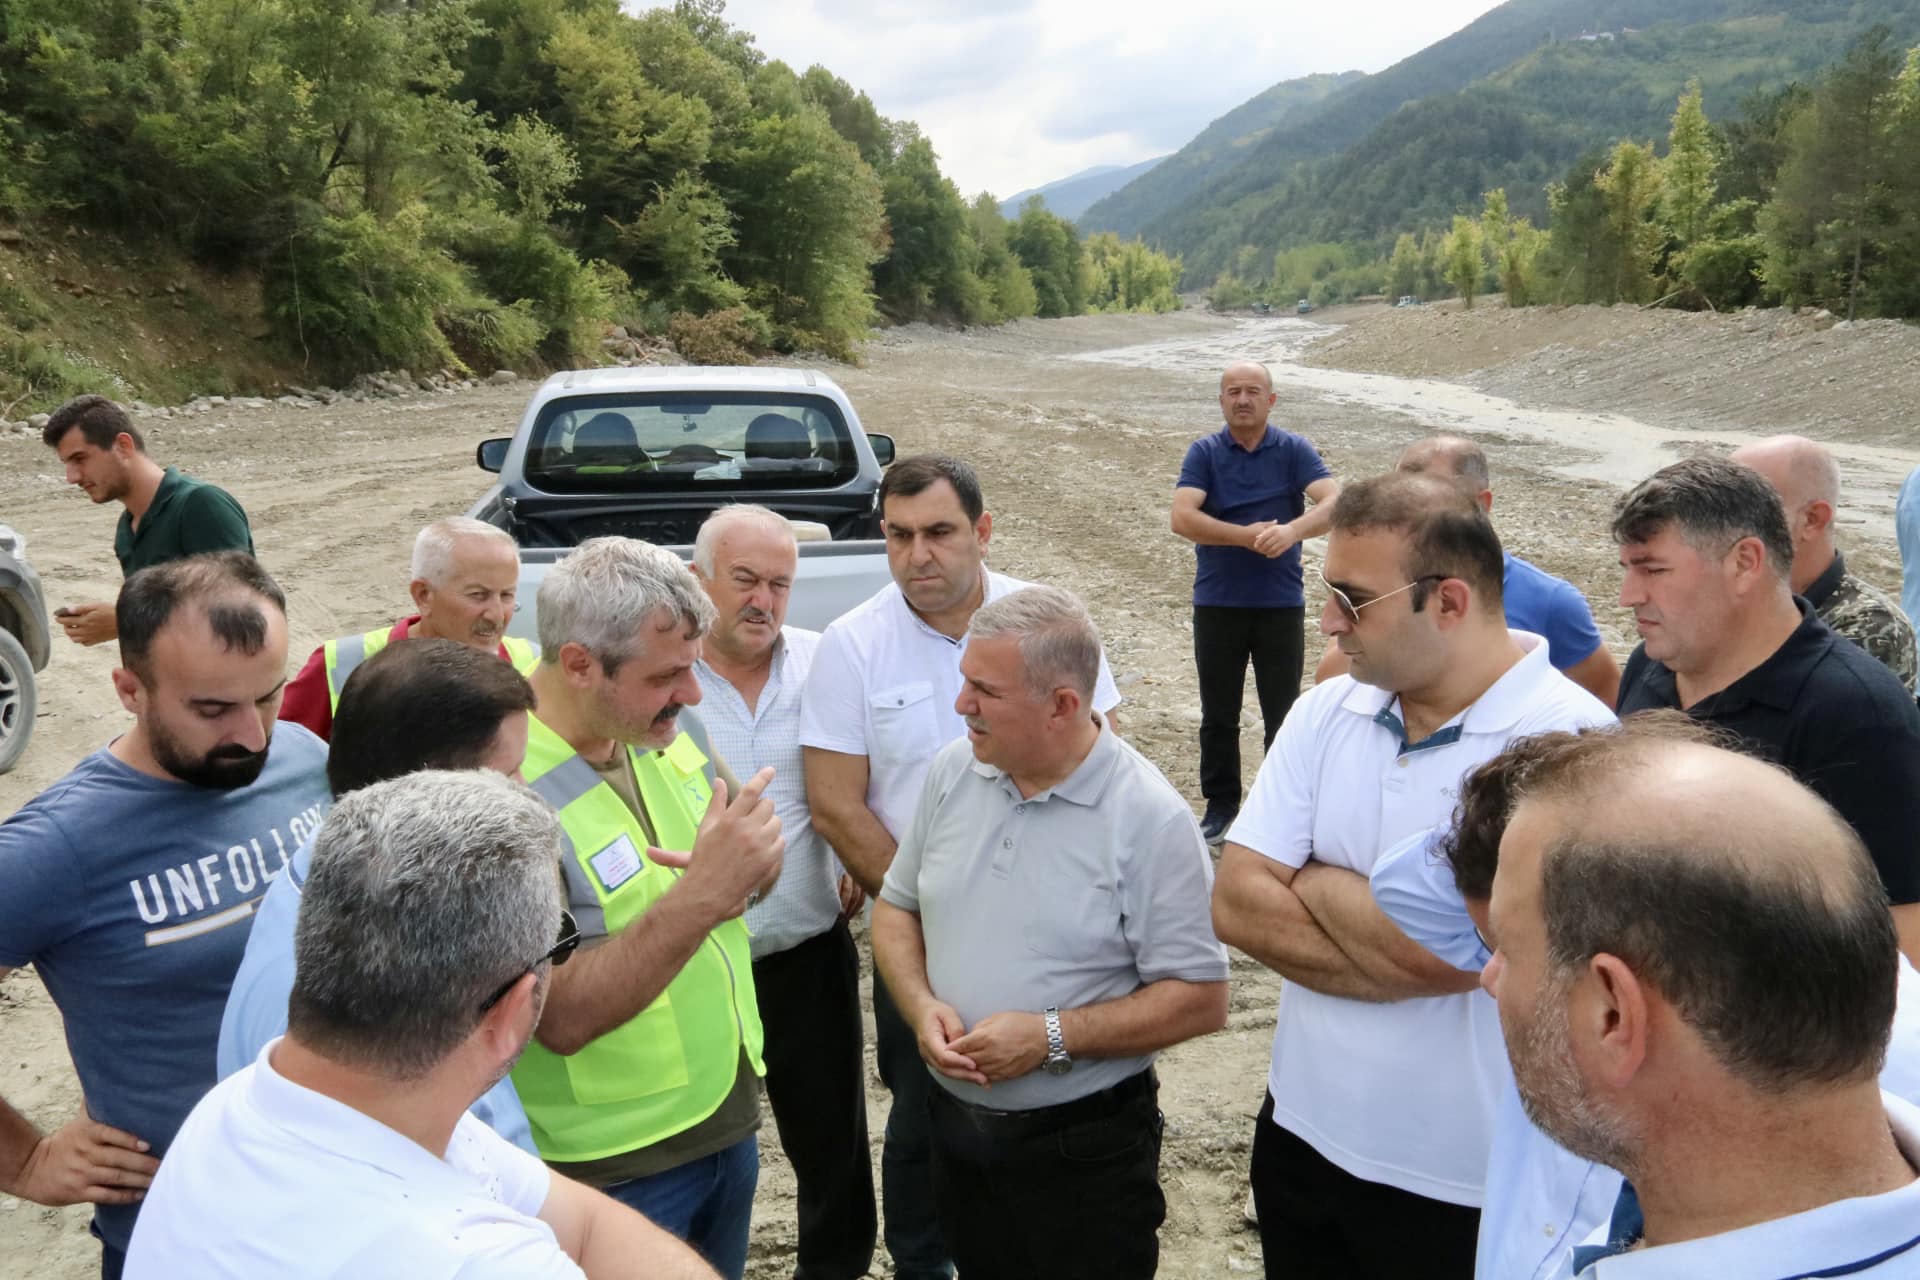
(130, 884)
(465, 576)
(806, 968)
(1708, 556)
(169, 514)
(643, 1078)
(1696, 977)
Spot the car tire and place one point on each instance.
(18, 700)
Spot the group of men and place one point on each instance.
(461, 954)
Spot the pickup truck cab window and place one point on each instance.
(690, 441)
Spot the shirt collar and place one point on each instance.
(1821, 588)
(1267, 440)
(1499, 707)
(171, 482)
(1777, 681)
(1084, 786)
(331, 1125)
(1862, 1231)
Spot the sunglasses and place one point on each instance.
(558, 953)
(1351, 611)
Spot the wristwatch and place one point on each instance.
(1057, 1063)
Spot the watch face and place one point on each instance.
(1059, 1066)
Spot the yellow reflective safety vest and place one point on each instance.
(672, 1064)
(345, 655)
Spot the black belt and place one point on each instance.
(1095, 1106)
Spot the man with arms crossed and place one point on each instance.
(1728, 1072)
(1371, 1148)
(805, 966)
(425, 948)
(1242, 501)
(465, 576)
(1044, 929)
(129, 884)
(879, 704)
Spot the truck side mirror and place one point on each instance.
(882, 448)
(492, 454)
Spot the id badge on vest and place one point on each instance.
(616, 864)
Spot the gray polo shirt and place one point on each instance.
(1082, 894)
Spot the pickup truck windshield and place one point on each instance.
(681, 440)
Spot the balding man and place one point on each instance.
(1808, 481)
(1242, 500)
(465, 575)
(1536, 601)
(1730, 1073)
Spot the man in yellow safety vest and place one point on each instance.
(465, 575)
(643, 1078)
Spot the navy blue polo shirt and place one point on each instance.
(1269, 483)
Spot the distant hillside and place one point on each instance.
(1510, 100)
(1217, 148)
(1069, 197)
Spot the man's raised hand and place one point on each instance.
(736, 853)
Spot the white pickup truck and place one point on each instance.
(650, 452)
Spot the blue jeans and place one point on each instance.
(706, 1202)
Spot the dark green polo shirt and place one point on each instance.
(187, 517)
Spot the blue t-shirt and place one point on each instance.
(1243, 488)
(1552, 607)
(131, 895)
(257, 1006)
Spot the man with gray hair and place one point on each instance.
(425, 948)
(806, 968)
(1808, 481)
(465, 575)
(644, 1075)
(1044, 929)
(1708, 558)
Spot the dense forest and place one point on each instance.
(424, 182)
(1808, 195)
(1512, 101)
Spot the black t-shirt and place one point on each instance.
(1833, 717)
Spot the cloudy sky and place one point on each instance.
(1015, 93)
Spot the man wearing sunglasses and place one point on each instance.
(426, 947)
(1370, 1152)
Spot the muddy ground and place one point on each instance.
(1078, 428)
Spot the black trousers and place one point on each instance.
(816, 1080)
(1225, 640)
(1068, 1193)
(1318, 1220)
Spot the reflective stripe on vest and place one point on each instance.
(344, 656)
(673, 1064)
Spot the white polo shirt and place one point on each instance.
(883, 686)
(1877, 1236)
(268, 1178)
(1400, 1093)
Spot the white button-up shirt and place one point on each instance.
(883, 687)
(1877, 1236)
(806, 900)
(1401, 1093)
(1541, 1198)
(268, 1178)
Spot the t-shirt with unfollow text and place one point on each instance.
(132, 897)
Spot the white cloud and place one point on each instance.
(1015, 93)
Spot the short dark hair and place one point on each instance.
(1788, 973)
(1448, 535)
(420, 704)
(922, 471)
(100, 420)
(227, 586)
(1713, 503)
(1488, 793)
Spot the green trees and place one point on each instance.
(1461, 256)
(1049, 248)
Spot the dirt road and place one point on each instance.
(1078, 428)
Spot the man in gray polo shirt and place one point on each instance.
(1044, 928)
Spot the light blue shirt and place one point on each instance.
(257, 1005)
(1906, 526)
(1541, 1199)
(1874, 1236)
